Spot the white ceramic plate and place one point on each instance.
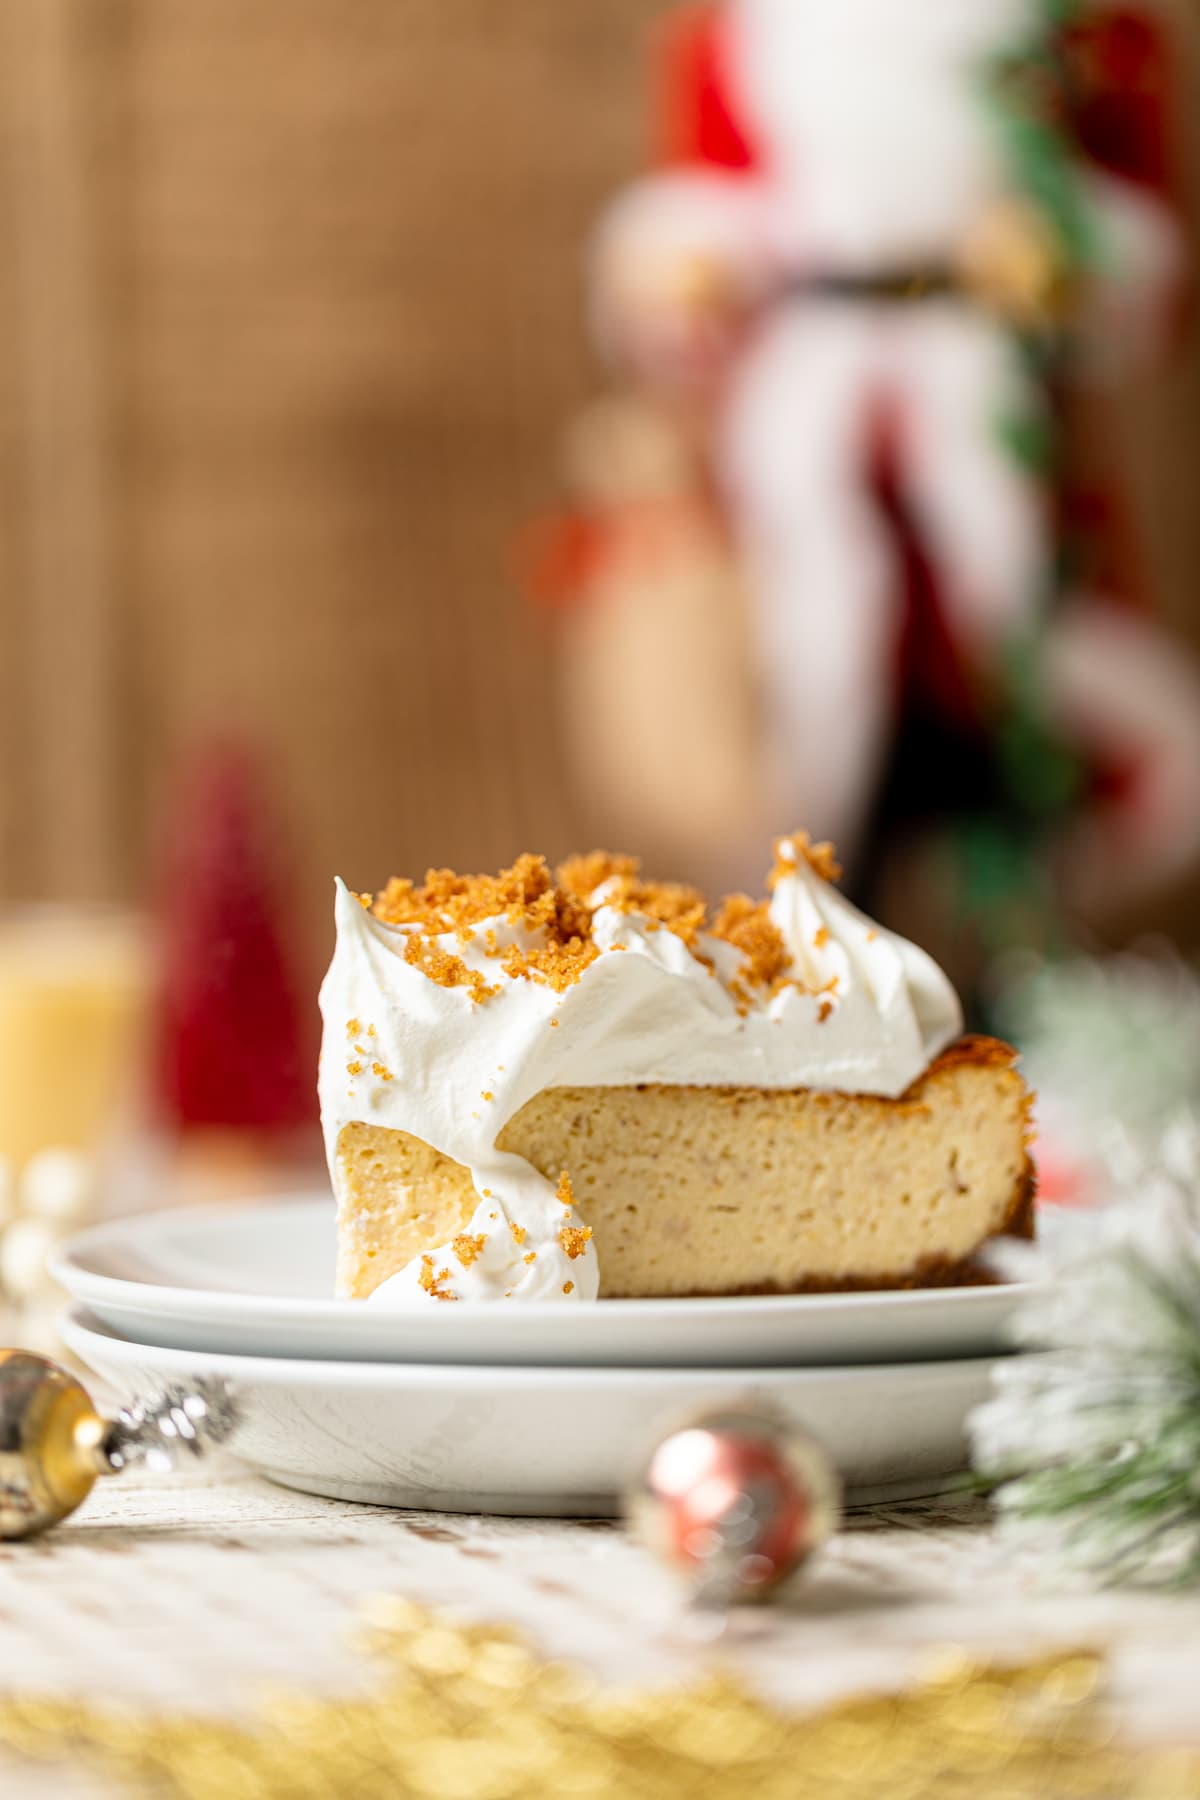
(255, 1281)
(548, 1441)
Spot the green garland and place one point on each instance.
(1026, 89)
(1004, 887)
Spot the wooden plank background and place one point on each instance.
(290, 321)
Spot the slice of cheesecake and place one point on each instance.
(564, 1089)
(731, 1190)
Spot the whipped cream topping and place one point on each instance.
(858, 1009)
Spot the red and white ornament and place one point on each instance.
(737, 1501)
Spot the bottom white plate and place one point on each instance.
(549, 1441)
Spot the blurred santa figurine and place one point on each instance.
(879, 235)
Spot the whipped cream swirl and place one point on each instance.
(863, 1011)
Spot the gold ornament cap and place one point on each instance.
(51, 1440)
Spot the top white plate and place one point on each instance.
(254, 1280)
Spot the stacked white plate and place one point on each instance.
(512, 1408)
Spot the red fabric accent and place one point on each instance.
(697, 118)
(1119, 77)
(1117, 787)
(1095, 520)
(1121, 109)
(930, 672)
(556, 558)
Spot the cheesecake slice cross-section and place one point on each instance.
(583, 1085)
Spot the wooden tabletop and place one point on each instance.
(196, 1591)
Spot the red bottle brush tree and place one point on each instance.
(235, 1047)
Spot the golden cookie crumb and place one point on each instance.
(679, 908)
(568, 1287)
(523, 895)
(354, 1068)
(557, 966)
(798, 847)
(518, 1232)
(574, 1239)
(447, 970)
(353, 1028)
(564, 1191)
(582, 875)
(469, 1249)
(530, 1256)
(748, 926)
(384, 1074)
(432, 1283)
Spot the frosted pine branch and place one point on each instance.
(1096, 1442)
